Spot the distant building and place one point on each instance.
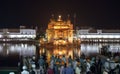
(98, 35)
(60, 32)
(17, 34)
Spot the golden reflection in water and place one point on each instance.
(60, 51)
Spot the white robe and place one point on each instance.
(24, 72)
(77, 70)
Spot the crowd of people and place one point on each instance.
(75, 65)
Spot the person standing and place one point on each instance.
(64, 59)
(69, 70)
(105, 71)
(25, 70)
(77, 69)
(33, 71)
(88, 67)
(50, 71)
(61, 69)
(70, 60)
(93, 68)
(84, 67)
(41, 61)
(117, 69)
(41, 70)
(74, 64)
(52, 63)
(56, 70)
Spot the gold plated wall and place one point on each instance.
(60, 32)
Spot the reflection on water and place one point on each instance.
(11, 50)
(90, 49)
(30, 49)
(12, 53)
(20, 49)
(86, 49)
(60, 51)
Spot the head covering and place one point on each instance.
(108, 59)
(11, 73)
(33, 65)
(69, 65)
(84, 60)
(33, 57)
(24, 67)
(78, 63)
(41, 57)
(62, 63)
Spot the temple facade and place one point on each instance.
(60, 32)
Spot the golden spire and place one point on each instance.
(59, 18)
(68, 17)
(52, 18)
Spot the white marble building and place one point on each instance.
(98, 35)
(17, 33)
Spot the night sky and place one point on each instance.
(91, 13)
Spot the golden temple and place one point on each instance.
(60, 32)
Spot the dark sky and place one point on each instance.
(92, 13)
